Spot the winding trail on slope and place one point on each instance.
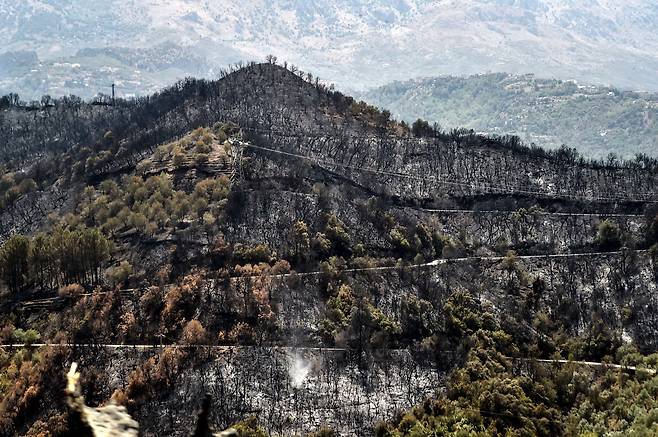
(530, 213)
(297, 349)
(586, 363)
(435, 263)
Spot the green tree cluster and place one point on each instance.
(417, 242)
(151, 205)
(334, 240)
(351, 319)
(493, 393)
(194, 149)
(50, 261)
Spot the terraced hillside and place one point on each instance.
(309, 262)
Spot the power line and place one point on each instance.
(540, 212)
(473, 186)
(587, 363)
(528, 212)
(299, 348)
(443, 261)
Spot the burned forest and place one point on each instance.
(266, 254)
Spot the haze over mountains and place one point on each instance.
(145, 45)
(597, 120)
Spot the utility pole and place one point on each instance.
(112, 94)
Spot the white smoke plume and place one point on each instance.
(298, 369)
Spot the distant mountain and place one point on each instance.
(357, 44)
(596, 120)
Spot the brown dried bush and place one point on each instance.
(71, 291)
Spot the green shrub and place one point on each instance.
(249, 428)
(321, 245)
(120, 274)
(333, 266)
(399, 241)
(28, 337)
(336, 233)
(252, 254)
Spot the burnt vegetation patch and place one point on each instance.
(205, 238)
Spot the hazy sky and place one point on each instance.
(356, 44)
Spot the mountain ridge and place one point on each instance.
(279, 109)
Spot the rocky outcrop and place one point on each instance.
(108, 421)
